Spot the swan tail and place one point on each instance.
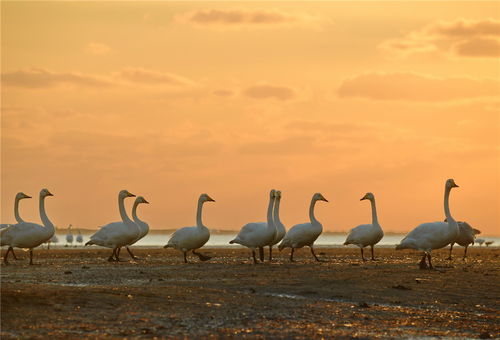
(168, 246)
(89, 243)
(236, 240)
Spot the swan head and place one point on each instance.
(318, 197)
(45, 193)
(21, 195)
(206, 198)
(368, 196)
(141, 199)
(450, 183)
(125, 194)
(277, 194)
(272, 193)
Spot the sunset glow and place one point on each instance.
(173, 99)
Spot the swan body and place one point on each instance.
(258, 234)
(304, 234)
(466, 236)
(429, 236)
(117, 234)
(19, 196)
(192, 238)
(28, 235)
(366, 234)
(69, 236)
(280, 228)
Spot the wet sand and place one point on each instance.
(76, 293)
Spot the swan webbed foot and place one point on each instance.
(374, 259)
(449, 258)
(201, 256)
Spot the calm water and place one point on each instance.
(222, 240)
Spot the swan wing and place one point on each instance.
(25, 235)
(301, 235)
(428, 236)
(188, 238)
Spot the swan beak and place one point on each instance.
(146, 201)
(361, 199)
(26, 196)
(210, 199)
(130, 195)
(324, 199)
(49, 193)
(455, 186)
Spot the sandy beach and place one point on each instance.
(76, 293)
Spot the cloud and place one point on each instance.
(140, 75)
(416, 87)
(42, 78)
(223, 93)
(461, 37)
(240, 17)
(265, 91)
(95, 48)
(481, 47)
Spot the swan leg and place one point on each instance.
(253, 254)
(112, 256)
(201, 256)
(451, 248)
(430, 264)
(261, 254)
(185, 257)
(13, 254)
(373, 255)
(465, 252)
(362, 255)
(270, 253)
(312, 252)
(131, 255)
(423, 264)
(291, 255)
(31, 256)
(5, 260)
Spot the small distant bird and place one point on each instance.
(79, 237)
(480, 241)
(488, 243)
(69, 236)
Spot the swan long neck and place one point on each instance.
(277, 210)
(16, 211)
(447, 204)
(270, 224)
(43, 215)
(374, 212)
(199, 209)
(121, 207)
(134, 212)
(311, 211)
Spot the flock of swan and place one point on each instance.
(425, 237)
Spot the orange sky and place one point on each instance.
(172, 99)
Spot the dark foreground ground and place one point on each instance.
(76, 293)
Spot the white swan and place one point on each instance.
(19, 196)
(466, 236)
(117, 234)
(69, 236)
(366, 234)
(429, 236)
(26, 234)
(304, 234)
(480, 241)
(143, 226)
(192, 238)
(258, 234)
(79, 237)
(280, 228)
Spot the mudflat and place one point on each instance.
(76, 293)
